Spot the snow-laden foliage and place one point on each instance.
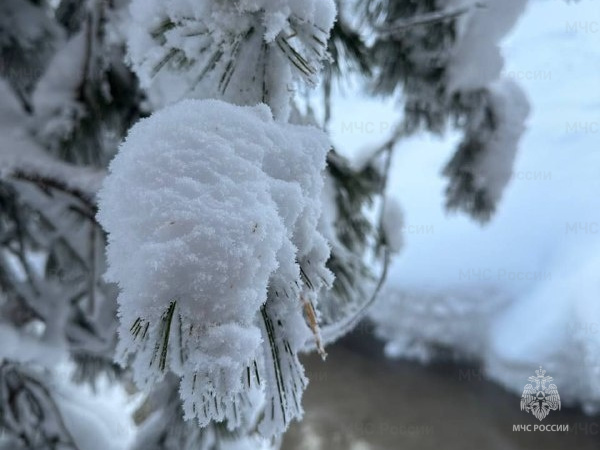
(27, 39)
(482, 166)
(445, 57)
(86, 99)
(477, 59)
(242, 51)
(212, 213)
(356, 239)
(54, 305)
(165, 429)
(56, 98)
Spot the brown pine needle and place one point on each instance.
(311, 316)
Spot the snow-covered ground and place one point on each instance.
(524, 290)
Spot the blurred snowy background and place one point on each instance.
(524, 290)
(483, 307)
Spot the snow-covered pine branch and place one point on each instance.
(243, 51)
(212, 213)
(221, 263)
(482, 166)
(59, 125)
(446, 59)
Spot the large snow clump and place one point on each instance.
(210, 207)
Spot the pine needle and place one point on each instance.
(311, 316)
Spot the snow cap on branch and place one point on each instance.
(210, 207)
(241, 51)
(477, 58)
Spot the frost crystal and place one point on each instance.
(241, 51)
(211, 211)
